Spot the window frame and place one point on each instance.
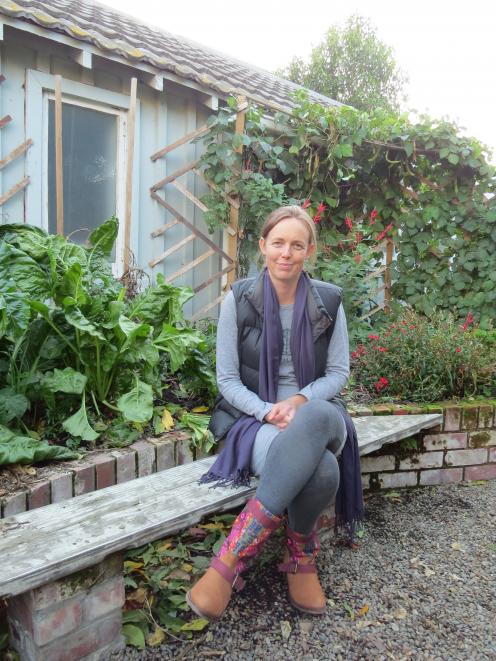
(40, 89)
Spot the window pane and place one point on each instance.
(89, 155)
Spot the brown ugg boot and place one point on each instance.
(210, 596)
(305, 591)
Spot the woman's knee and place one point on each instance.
(323, 415)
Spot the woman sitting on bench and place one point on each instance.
(282, 359)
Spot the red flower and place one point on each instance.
(354, 354)
(382, 383)
(411, 327)
(306, 203)
(357, 258)
(458, 349)
(384, 232)
(373, 214)
(316, 218)
(348, 223)
(373, 337)
(469, 320)
(382, 349)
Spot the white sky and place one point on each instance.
(447, 48)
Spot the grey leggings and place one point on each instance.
(301, 472)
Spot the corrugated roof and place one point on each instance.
(118, 33)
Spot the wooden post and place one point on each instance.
(387, 276)
(129, 172)
(233, 228)
(59, 172)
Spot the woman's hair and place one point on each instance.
(291, 211)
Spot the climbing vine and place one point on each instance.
(365, 177)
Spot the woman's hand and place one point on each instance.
(282, 413)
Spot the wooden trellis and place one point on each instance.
(385, 272)
(15, 153)
(229, 256)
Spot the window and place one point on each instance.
(90, 160)
(94, 127)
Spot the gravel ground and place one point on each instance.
(426, 570)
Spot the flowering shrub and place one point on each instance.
(419, 359)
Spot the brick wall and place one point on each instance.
(98, 470)
(463, 448)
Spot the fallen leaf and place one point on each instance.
(200, 409)
(156, 638)
(285, 629)
(429, 572)
(167, 420)
(137, 596)
(195, 625)
(130, 565)
(399, 613)
(180, 574)
(186, 567)
(456, 546)
(362, 611)
(331, 603)
(212, 526)
(349, 610)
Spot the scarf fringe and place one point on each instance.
(240, 478)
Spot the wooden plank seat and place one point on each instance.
(61, 565)
(48, 543)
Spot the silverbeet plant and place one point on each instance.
(74, 352)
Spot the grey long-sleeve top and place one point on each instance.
(237, 394)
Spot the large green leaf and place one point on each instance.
(26, 450)
(78, 425)
(178, 343)
(104, 236)
(137, 404)
(20, 270)
(67, 380)
(14, 313)
(12, 405)
(161, 303)
(77, 319)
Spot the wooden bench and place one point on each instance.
(59, 566)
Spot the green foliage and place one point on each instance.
(419, 359)
(430, 188)
(78, 360)
(157, 577)
(353, 66)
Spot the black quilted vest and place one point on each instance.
(322, 305)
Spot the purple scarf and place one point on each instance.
(232, 466)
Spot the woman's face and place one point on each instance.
(285, 248)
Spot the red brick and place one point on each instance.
(165, 455)
(88, 640)
(126, 467)
(465, 457)
(14, 504)
(377, 464)
(104, 599)
(486, 472)
(50, 624)
(470, 417)
(441, 476)
(146, 458)
(39, 495)
(105, 471)
(492, 454)
(393, 480)
(184, 455)
(482, 438)
(485, 416)
(84, 479)
(452, 418)
(61, 487)
(450, 441)
(423, 460)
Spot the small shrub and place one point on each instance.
(419, 359)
